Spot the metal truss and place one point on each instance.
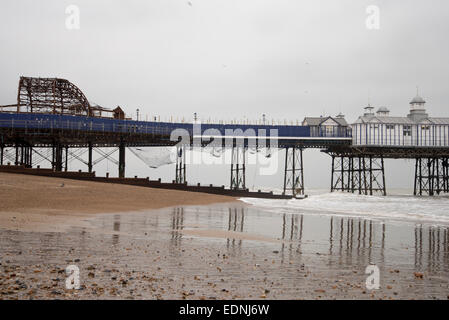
(293, 171)
(364, 175)
(56, 96)
(238, 180)
(181, 164)
(431, 176)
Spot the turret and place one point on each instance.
(368, 110)
(417, 108)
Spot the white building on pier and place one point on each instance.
(416, 129)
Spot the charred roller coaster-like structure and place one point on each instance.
(53, 96)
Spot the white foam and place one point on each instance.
(398, 208)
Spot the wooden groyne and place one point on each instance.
(141, 182)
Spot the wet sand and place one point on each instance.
(226, 251)
(36, 203)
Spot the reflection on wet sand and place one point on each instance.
(230, 251)
(116, 227)
(351, 242)
(236, 221)
(177, 226)
(434, 249)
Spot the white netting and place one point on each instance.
(216, 152)
(155, 157)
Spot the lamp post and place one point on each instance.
(263, 117)
(137, 111)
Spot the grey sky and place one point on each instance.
(233, 59)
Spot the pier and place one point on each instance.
(54, 114)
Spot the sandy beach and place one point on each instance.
(36, 203)
(163, 244)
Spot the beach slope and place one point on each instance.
(34, 202)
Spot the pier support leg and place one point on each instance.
(57, 157)
(66, 166)
(445, 167)
(53, 157)
(121, 160)
(89, 160)
(31, 157)
(181, 165)
(431, 176)
(22, 159)
(238, 175)
(377, 176)
(28, 156)
(365, 175)
(342, 174)
(16, 162)
(293, 171)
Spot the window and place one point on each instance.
(389, 126)
(407, 130)
(426, 127)
(329, 131)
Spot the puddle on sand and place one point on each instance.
(226, 251)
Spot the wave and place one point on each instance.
(434, 210)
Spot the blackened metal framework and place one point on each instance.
(361, 168)
(55, 96)
(431, 176)
(23, 155)
(365, 175)
(181, 164)
(238, 167)
(293, 171)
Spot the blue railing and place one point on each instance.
(37, 121)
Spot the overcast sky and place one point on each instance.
(233, 58)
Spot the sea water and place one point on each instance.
(396, 208)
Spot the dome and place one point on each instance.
(417, 99)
